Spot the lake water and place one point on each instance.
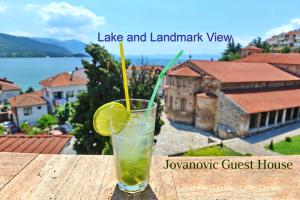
(27, 72)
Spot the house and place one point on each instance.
(8, 89)
(41, 144)
(250, 50)
(232, 99)
(28, 108)
(291, 39)
(62, 88)
(152, 69)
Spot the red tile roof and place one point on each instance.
(6, 85)
(26, 100)
(146, 67)
(184, 71)
(273, 58)
(237, 72)
(43, 144)
(252, 47)
(266, 100)
(63, 79)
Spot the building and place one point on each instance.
(8, 89)
(290, 39)
(289, 62)
(28, 108)
(41, 144)
(250, 50)
(232, 98)
(62, 88)
(152, 69)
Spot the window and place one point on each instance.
(57, 95)
(171, 102)
(70, 94)
(272, 117)
(27, 111)
(263, 118)
(295, 113)
(39, 107)
(253, 119)
(183, 105)
(81, 91)
(279, 117)
(288, 114)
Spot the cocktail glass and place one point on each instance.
(132, 146)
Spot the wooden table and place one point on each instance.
(32, 176)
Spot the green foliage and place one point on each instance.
(261, 44)
(285, 49)
(232, 52)
(288, 147)
(141, 87)
(105, 85)
(46, 121)
(288, 139)
(271, 146)
(212, 151)
(63, 113)
(2, 129)
(29, 90)
(29, 130)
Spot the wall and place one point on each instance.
(50, 98)
(231, 120)
(178, 88)
(205, 112)
(36, 114)
(293, 69)
(5, 95)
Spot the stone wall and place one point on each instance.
(205, 112)
(293, 69)
(181, 88)
(231, 120)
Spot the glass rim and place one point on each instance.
(154, 105)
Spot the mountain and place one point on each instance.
(75, 46)
(13, 46)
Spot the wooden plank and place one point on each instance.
(93, 177)
(11, 164)
(238, 184)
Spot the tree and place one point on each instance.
(29, 90)
(141, 87)
(261, 44)
(29, 130)
(285, 49)
(232, 52)
(105, 85)
(271, 146)
(63, 113)
(2, 129)
(46, 121)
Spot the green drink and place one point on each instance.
(132, 146)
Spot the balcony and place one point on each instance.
(44, 176)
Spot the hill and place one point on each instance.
(75, 46)
(13, 46)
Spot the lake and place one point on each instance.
(27, 72)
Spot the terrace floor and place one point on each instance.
(45, 176)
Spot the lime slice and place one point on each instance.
(110, 116)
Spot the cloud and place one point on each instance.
(65, 20)
(292, 25)
(31, 6)
(243, 40)
(3, 8)
(21, 33)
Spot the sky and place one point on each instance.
(83, 19)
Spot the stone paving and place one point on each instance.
(177, 138)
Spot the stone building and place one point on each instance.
(247, 51)
(232, 98)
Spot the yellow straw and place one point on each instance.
(124, 76)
